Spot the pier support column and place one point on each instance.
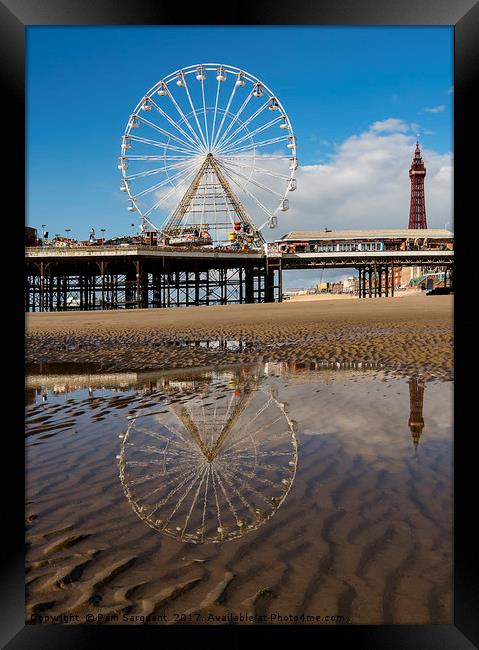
(138, 295)
(42, 286)
(102, 271)
(370, 287)
(196, 285)
(386, 273)
(280, 280)
(392, 281)
(269, 285)
(249, 285)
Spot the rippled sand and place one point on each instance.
(365, 532)
(413, 332)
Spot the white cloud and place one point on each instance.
(435, 109)
(365, 184)
(391, 124)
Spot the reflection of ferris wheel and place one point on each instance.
(206, 149)
(210, 469)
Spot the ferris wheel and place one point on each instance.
(204, 471)
(209, 152)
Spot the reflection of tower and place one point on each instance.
(417, 173)
(416, 419)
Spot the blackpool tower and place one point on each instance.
(417, 173)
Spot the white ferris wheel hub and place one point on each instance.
(207, 147)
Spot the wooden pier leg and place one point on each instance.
(42, 286)
(280, 280)
(249, 285)
(241, 292)
(197, 287)
(138, 284)
(386, 273)
(269, 288)
(370, 288)
(102, 271)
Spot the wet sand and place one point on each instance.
(411, 333)
(365, 533)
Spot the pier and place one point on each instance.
(131, 277)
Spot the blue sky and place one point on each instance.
(335, 83)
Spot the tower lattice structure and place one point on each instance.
(417, 174)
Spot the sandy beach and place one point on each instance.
(365, 531)
(413, 332)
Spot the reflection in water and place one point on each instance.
(214, 463)
(416, 400)
(209, 454)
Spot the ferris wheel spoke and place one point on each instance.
(233, 162)
(186, 121)
(234, 120)
(256, 415)
(252, 196)
(159, 145)
(180, 501)
(230, 478)
(166, 145)
(166, 196)
(171, 121)
(250, 134)
(163, 438)
(224, 116)
(195, 498)
(157, 186)
(205, 498)
(178, 469)
(230, 505)
(189, 144)
(263, 143)
(157, 170)
(194, 113)
(218, 514)
(255, 157)
(147, 172)
(204, 112)
(161, 487)
(244, 125)
(251, 180)
(211, 139)
(175, 490)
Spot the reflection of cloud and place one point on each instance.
(373, 412)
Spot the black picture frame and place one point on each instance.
(15, 16)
